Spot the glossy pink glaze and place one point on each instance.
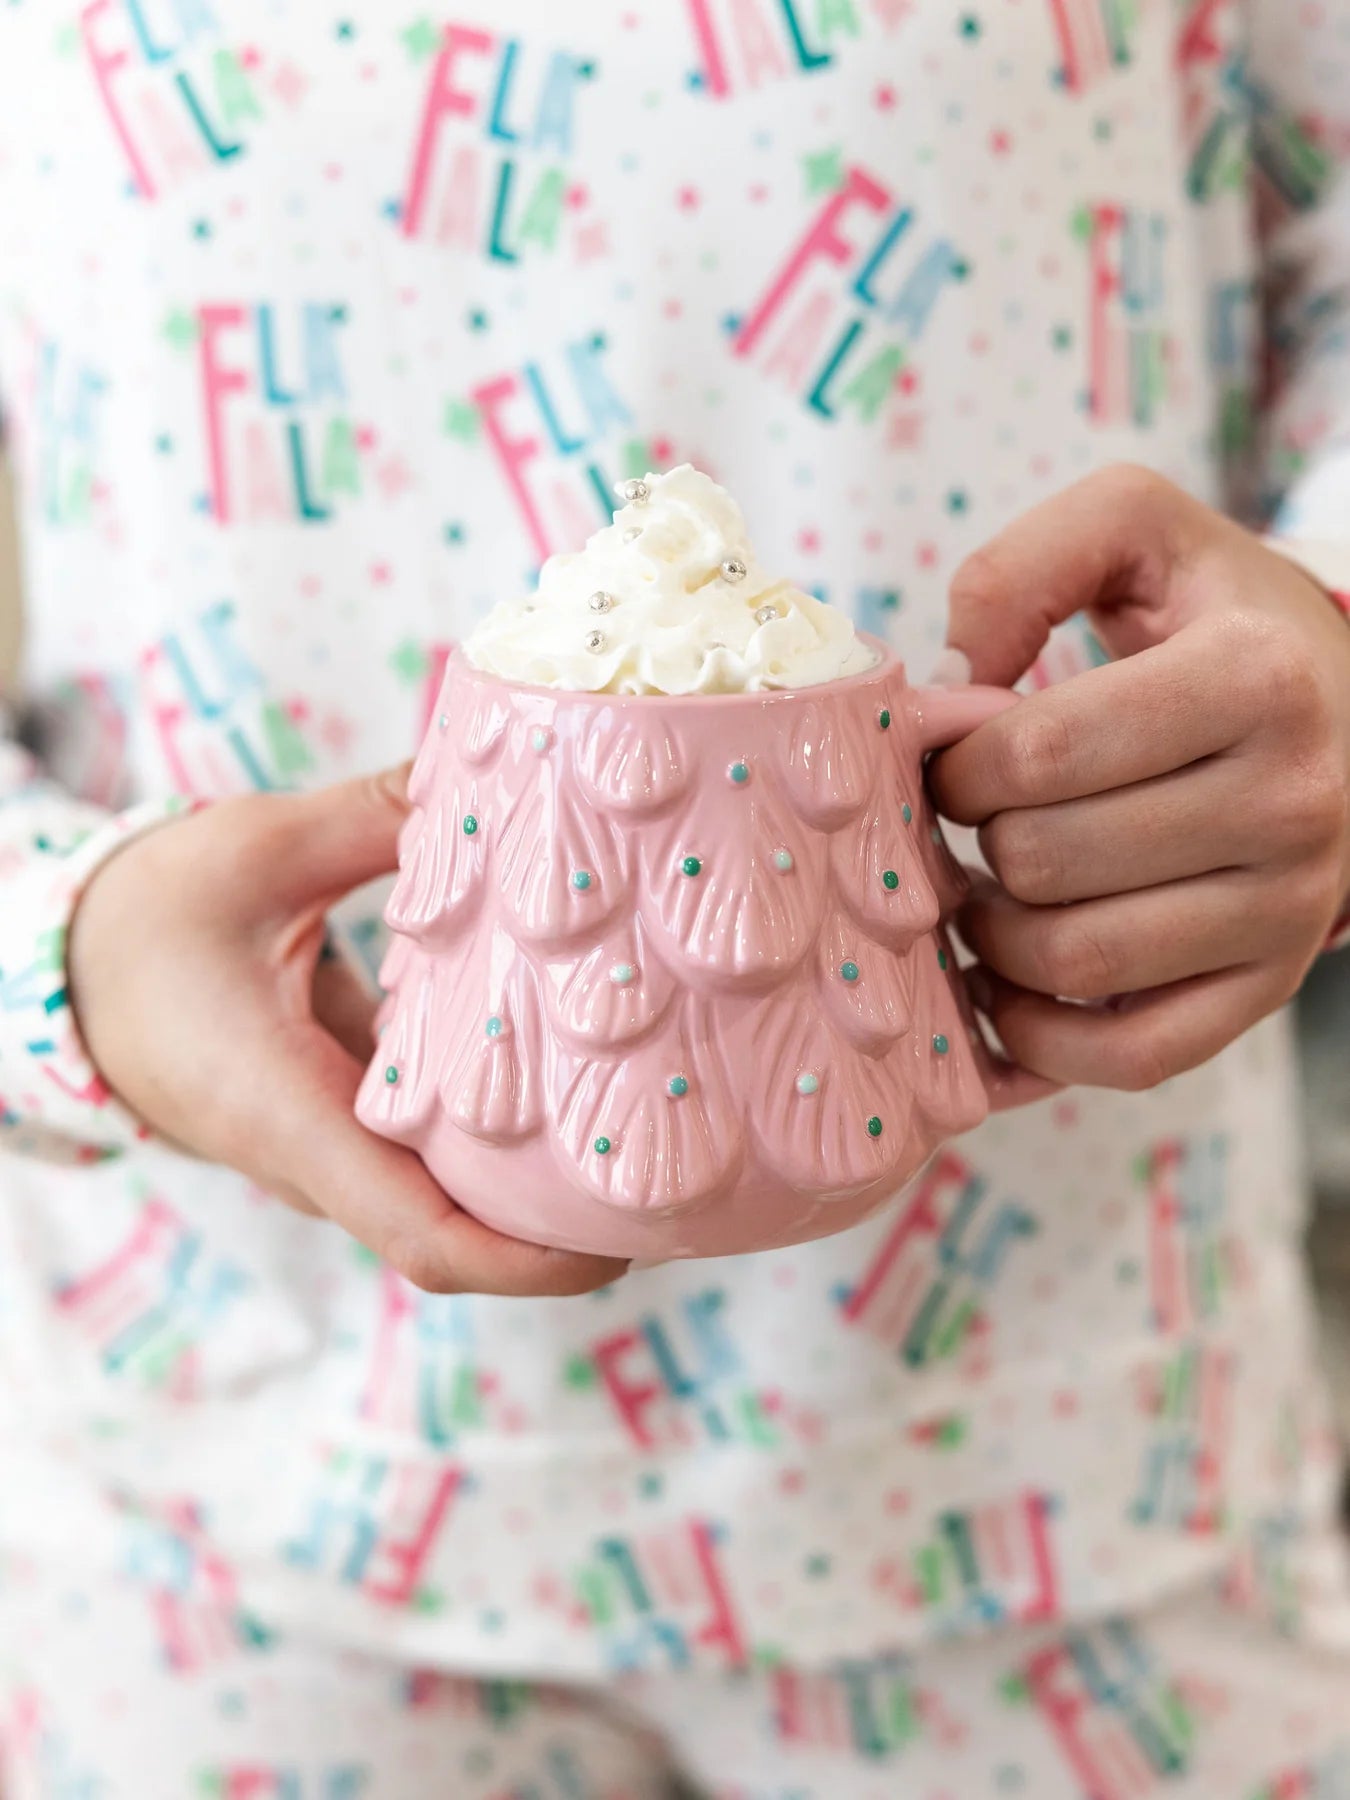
(531, 1014)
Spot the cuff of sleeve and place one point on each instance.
(53, 1101)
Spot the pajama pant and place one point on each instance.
(1189, 1704)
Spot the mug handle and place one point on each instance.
(945, 716)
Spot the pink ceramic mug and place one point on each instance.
(669, 977)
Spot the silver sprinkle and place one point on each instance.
(600, 601)
(765, 614)
(595, 642)
(636, 493)
(633, 533)
(733, 569)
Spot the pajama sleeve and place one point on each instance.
(53, 1103)
(1297, 92)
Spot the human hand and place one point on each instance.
(196, 978)
(1170, 833)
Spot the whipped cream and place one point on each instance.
(669, 599)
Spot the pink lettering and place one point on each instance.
(407, 1558)
(217, 382)
(456, 222)
(798, 349)
(512, 453)
(761, 52)
(632, 1399)
(105, 65)
(822, 239)
(714, 68)
(443, 99)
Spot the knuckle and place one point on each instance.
(979, 578)
(1237, 643)
(1079, 962)
(1037, 752)
(1024, 857)
(1134, 488)
(271, 831)
(1311, 899)
(560, 1276)
(1143, 1061)
(1316, 809)
(416, 1261)
(1288, 676)
(249, 832)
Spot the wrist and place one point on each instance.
(76, 1097)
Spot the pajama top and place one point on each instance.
(321, 326)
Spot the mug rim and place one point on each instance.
(888, 662)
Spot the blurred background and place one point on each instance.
(1324, 1030)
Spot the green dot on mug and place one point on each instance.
(940, 1045)
(470, 824)
(890, 880)
(691, 866)
(884, 718)
(874, 1126)
(603, 1146)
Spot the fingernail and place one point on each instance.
(980, 989)
(952, 669)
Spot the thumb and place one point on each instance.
(1111, 545)
(313, 1146)
(347, 834)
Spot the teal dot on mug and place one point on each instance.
(782, 859)
(678, 1086)
(890, 880)
(739, 773)
(470, 824)
(691, 865)
(443, 723)
(622, 974)
(874, 1126)
(808, 1085)
(391, 1074)
(884, 718)
(493, 1028)
(581, 879)
(848, 971)
(907, 812)
(940, 1044)
(603, 1146)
